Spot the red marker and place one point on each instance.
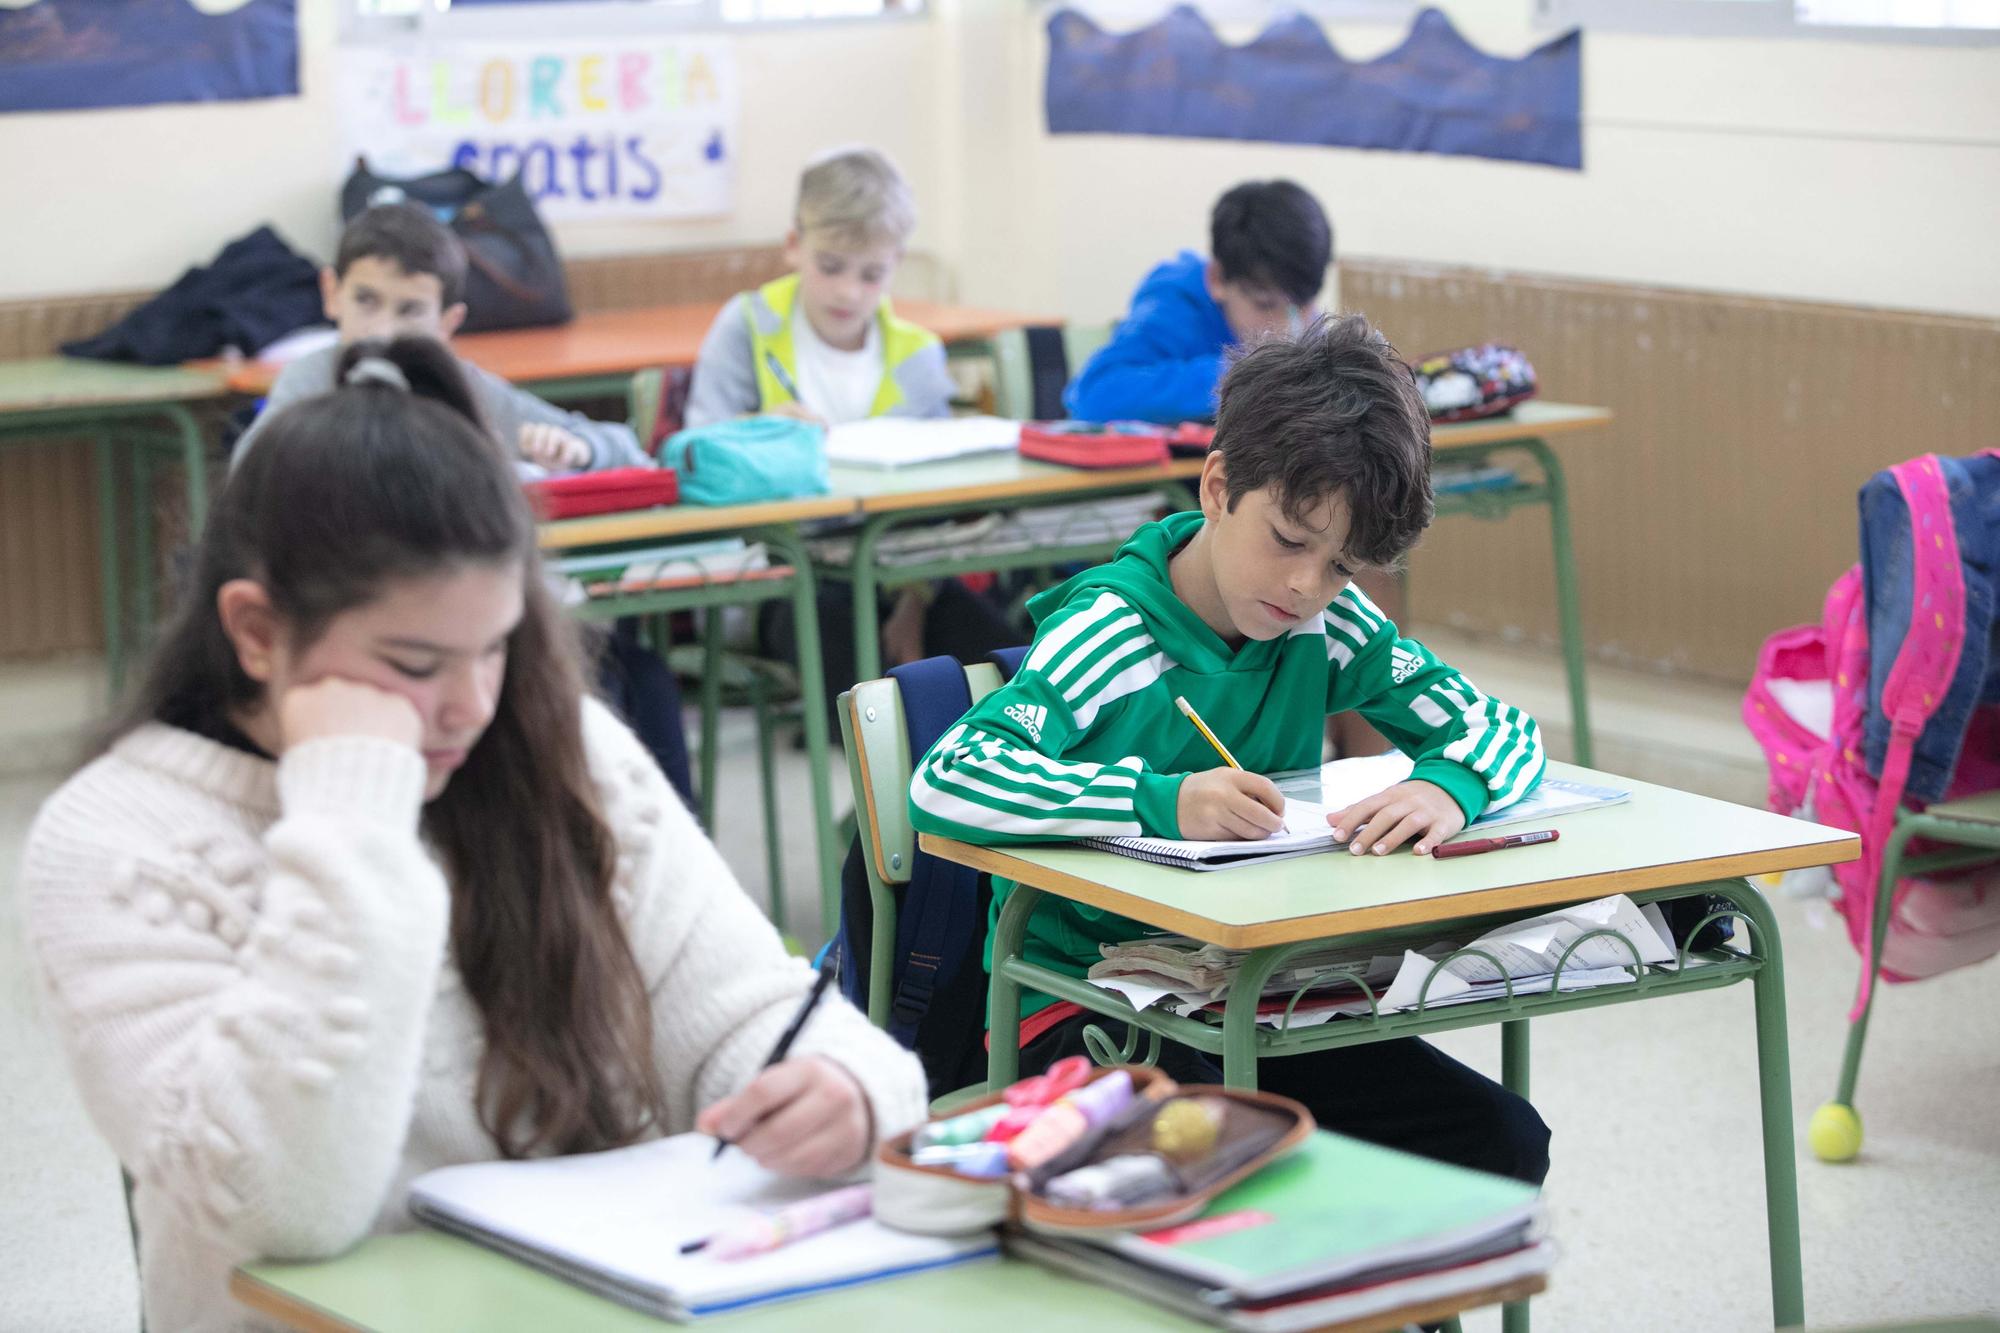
(1475, 846)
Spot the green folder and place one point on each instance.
(1335, 1209)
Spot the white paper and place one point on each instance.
(624, 1215)
(901, 441)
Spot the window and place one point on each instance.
(533, 18)
(1931, 21)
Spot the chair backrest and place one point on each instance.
(1082, 341)
(879, 766)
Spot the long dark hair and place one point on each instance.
(374, 482)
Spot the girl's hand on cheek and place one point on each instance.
(338, 707)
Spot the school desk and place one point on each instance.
(428, 1282)
(778, 525)
(889, 499)
(596, 354)
(1661, 844)
(122, 408)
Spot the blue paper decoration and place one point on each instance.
(1434, 93)
(67, 55)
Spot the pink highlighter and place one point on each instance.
(1070, 1119)
(769, 1231)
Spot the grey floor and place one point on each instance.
(1656, 1195)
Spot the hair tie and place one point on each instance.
(378, 370)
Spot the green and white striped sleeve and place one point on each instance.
(999, 775)
(1485, 753)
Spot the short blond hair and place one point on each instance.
(858, 196)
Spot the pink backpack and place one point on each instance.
(1810, 706)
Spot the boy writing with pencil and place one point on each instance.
(1246, 610)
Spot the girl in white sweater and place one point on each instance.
(366, 885)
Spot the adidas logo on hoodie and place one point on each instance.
(1031, 717)
(1403, 664)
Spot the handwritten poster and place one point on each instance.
(615, 128)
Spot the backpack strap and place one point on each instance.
(1922, 672)
(941, 901)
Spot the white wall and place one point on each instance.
(1864, 173)
(127, 199)
(1857, 173)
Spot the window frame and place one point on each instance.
(1735, 18)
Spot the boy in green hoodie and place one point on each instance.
(1321, 466)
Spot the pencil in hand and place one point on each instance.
(1180, 701)
(791, 1033)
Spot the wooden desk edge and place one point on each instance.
(301, 1315)
(290, 1310)
(1323, 925)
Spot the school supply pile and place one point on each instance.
(656, 568)
(612, 491)
(1520, 957)
(890, 442)
(1474, 382)
(616, 1222)
(1310, 795)
(1218, 1203)
(1043, 527)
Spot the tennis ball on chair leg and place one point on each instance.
(1834, 1132)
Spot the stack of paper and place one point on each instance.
(615, 1222)
(902, 441)
(1187, 977)
(1340, 1231)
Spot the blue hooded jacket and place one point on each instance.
(1165, 360)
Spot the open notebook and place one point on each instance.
(1311, 793)
(615, 1221)
(902, 441)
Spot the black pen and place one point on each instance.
(784, 1046)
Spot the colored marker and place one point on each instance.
(769, 1231)
(1474, 846)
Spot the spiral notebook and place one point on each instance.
(1338, 785)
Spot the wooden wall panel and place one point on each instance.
(1720, 504)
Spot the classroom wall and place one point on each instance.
(1858, 173)
(125, 200)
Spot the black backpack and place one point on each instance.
(938, 978)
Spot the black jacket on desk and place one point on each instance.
(257, 291)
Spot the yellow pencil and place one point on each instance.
(1202, 727)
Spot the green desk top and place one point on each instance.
(56, 383)
(427, 1282)
(1981, 809)
(1661, 838)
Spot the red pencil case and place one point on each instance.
(1191, 437)
(607, 492)
(1094, 444)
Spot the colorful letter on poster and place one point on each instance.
(1434, 93)
(71, 55)
(621, 127)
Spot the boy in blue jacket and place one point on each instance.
(1270, 245)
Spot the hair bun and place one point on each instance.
(377, 370)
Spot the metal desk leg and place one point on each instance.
(194, 465)
(1774, 1078)
(1514, 1076)
(1239, 1014)
(1885, 901)
(145, 544)
(787, 547)
(1569, 614)
(1003, 1049)
(711, 712)
(867, 616)
(109, 581)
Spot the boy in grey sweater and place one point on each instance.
(400, 273)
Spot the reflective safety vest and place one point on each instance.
(775, 356)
